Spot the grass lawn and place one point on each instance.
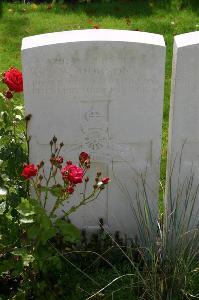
(19, 20)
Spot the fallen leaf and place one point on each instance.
(49, 6)
(90, 21)
(128, 21)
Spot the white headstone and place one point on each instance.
(99, 91)
(183, 149)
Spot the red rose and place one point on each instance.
(105, 180)
(29, 171)
(84, 158)
(13, 79)
(72, 173)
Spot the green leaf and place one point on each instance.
(3, 192)
(56, 262)
(68, 230)
(25, 208)
(46, 235)
(26, 257)
(18, 108)
(26, 220)
(18, 118)
(5, 266)
(9, 215)
(44, 189)
(33, 232)
(56, 190)
(2, 207)
(45, 221)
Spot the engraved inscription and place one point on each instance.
(95, 125)
(95, 139)
(77, 78)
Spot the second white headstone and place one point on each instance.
(183, 151)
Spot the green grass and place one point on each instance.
(162, 17)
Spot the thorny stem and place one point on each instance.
(26, 136)
(47, 183)
(85, 186)
(82, 202)
(56, 205)
(36, 191)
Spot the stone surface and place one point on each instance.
(100, 91)
(183, 149)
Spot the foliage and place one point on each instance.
(28, 230)
(167, 264)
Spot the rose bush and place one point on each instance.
(45, 183)
(29, 232)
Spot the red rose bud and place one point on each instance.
(29, 171)
(28, 117)
(105, 180)
(40, 165)
(70, 190)
(14, 80)
(59, 159)
(8, 94)
(40, 177)
(69, 162)
(84, 158)
(54, 139)
(86, 179)
(87, 164)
